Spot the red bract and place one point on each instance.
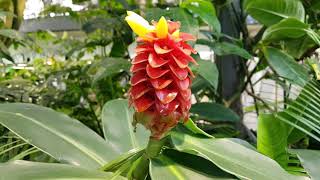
(161, 80)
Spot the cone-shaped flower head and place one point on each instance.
(160, 84)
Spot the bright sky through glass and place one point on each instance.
(34, 7)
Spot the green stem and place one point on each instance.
(153, 149)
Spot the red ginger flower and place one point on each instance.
(160, 85)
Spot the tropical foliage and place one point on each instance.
(65, 113)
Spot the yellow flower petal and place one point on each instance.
(138, 24)
(162, 28)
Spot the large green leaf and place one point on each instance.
(310, 160)
(25, 170)
(232, 157)
(209, 71)
(118, 130)
(205, 10)
(289, 28)
(225, 48)
(286, 66)
(107, 67)
(188, 24)
(271, 12)
(56, 134)
(175, 165)
(213, 112)
(272, 138)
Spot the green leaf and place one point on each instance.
(196, 163)
(175, 165)
(25, 170)
(298, 47)
(123, 159)
(271, 12)
(304, 112)
(4, 52)
(195, 129)
(214, 112)
(198, 84)
(310, 160)
(107, 67)
(119, 48)
(315, 6)
(188, 24)
(225, 48)
(296, 135)
(25, 153)
(10, 33)
(118, 130)
(56, 134)
(289, 28)
(243, 143)
(205, 10)
(5, 55)
(272, 138)
(232, 157)
(286, 66)
(209, 71)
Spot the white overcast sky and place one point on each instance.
(34, 7)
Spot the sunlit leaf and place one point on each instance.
(310, 160)
(118, 130)
(56, 134)
(271, 12)
(25, 170)
(232, 157)
(272, 138)
(175, 165)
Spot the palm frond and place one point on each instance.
(304, 112)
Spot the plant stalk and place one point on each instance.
(153, 149)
